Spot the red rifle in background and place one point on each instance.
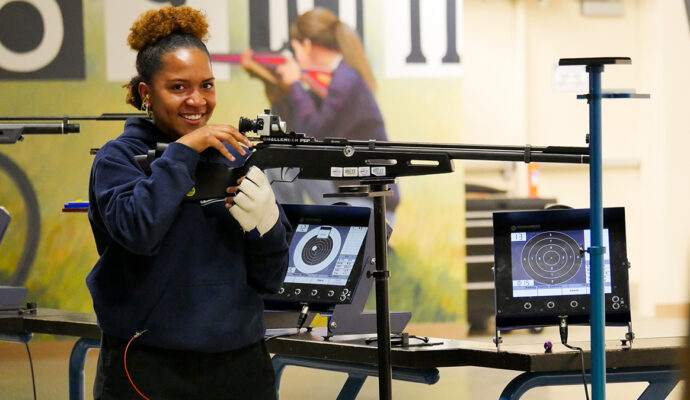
(263, 66)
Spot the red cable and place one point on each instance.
(136, 335)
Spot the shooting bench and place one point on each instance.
(653, 360)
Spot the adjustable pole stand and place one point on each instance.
(383, 323)
(378, 190)
(595, 66)
(596, 225)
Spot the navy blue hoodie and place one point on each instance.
(183, 270)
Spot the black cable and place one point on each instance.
(403, 340)
(302, 316)
(267, 338)
(31, 363)
(563, 330)
(582, 359)
(301, 319)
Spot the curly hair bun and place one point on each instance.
(156, 24)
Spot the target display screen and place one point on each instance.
(542, 267)
(330, 248)
(324, 254)
(554, 263)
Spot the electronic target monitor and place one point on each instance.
(542, 267)
(327, 255)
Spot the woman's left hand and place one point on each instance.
(289, 72)
(253, 204)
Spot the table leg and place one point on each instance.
(661, 381)
(76, 366)
(357, 373)
(351, 387)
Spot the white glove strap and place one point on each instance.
(269, 219)
(255, 205)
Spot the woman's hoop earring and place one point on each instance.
(146, 106)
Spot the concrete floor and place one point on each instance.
(51, 358)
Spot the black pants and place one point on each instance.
(160, 374)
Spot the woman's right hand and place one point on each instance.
(214, 136)
(247, 59)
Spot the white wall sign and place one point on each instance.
(41, 39)
(270, 19)
(423, 38)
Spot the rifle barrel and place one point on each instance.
(554, 154)
(525, 155)
(42, 128)
(420, 146)
(102, 117)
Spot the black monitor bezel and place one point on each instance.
(511, 313)
(335, 215)
(4, 222)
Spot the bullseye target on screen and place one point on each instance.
(554, 263)
(551, 257)
(317, 249)
(324, 254)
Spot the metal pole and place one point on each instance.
(383, 322)
(596, 251)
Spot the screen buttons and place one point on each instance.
(527, 305)
(574, 304)
(550, 304)
(298, 291)
(330, 293)
(314, 292)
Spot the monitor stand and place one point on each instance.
(11, 297)
(353, 319)
(349, 320)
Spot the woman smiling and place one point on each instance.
(183, 278)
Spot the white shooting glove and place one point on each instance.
(255, 205)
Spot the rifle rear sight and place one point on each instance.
(265, 124)
(271, 129)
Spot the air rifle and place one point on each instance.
(263, 66)
(338, 159)
(13, 131)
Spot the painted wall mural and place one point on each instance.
(69, 57)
